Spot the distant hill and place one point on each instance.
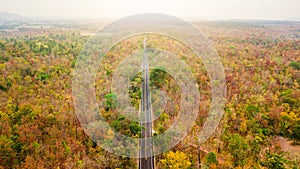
(11, 17)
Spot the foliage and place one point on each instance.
(39, 128)
(275, 161)
(296, 132)
(239, 149)
(211, 158)
(175, 160)
(111, 101)
(295, 65)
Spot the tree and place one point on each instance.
(175, 160)
(296, 133)
(110, 101)
(274, 161)
(211, 158)
(135, 128)
(238, 148)
(295, 65)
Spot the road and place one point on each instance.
(146, 161)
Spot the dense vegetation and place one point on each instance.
(39, 129)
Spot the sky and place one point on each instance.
(190, 9)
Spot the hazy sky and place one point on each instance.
(194, 9)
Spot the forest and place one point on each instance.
(260, 128)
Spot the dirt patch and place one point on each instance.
(287, 146)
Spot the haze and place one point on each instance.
(192, 9)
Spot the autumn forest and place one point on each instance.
(260, 127)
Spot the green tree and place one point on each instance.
(296, 133)
(295, 65)
(110, 101)
(211, 158)
(238, 148)
(274, 161)
(135, 128)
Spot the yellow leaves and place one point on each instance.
(110, 134)
(233, 116)
(293, 115)
(164, 117)
(243, 126)
(28, 79)
(258, 139)
(289, 116)
(20, 88)
(2, 66)
(175, 160)
(286, 107)
(10, 104)
(283, 114)
(38, 44)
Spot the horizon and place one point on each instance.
(188, 19)
(189, 9)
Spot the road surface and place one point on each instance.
(146, 161)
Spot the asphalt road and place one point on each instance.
(146, 161)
